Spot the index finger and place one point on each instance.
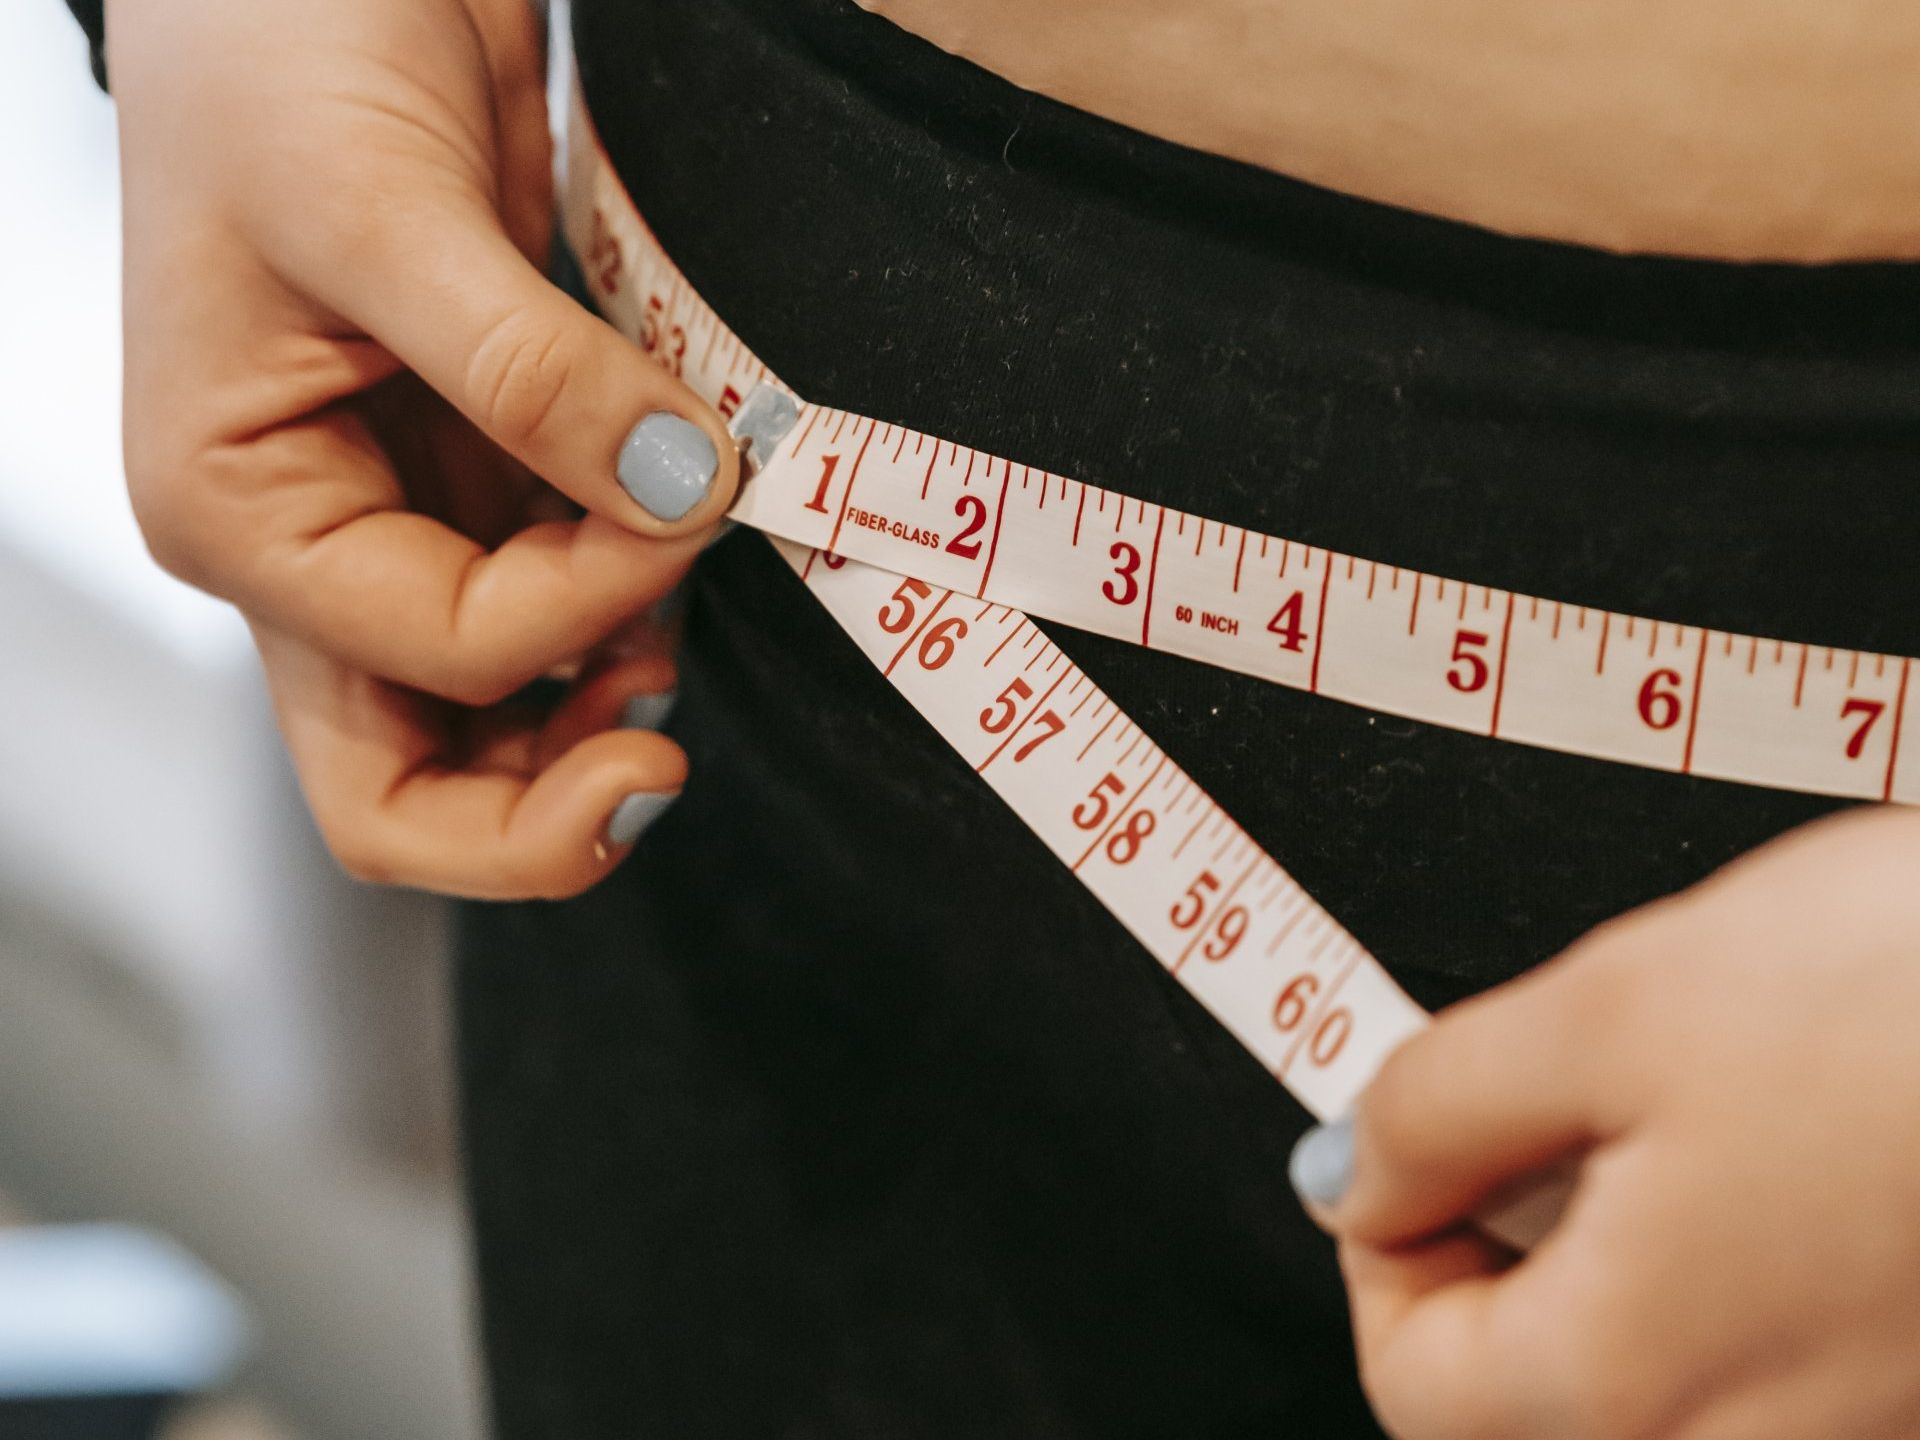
(431, 274)
(306, 529)
(1431, 1334)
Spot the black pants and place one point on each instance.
(842, 1110)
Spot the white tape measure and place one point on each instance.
(1653, 693)
(928, 553)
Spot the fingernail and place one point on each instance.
(667, 464)
(1322, 1164)
(647, 712)
(635, 813)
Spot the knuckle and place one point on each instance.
(1606, 950)
(1389, 1409)
(171, 525)
(476, 667)
(1603, 980)
(357, 223)
(1654, 935)
(474, 681)
(1410, 1406)
(357, 854)
(1604, 1389)
(1601, 1393)
(363, 871)
(351, 833)
(1396, 1405)
(168, 549)
(516, 377)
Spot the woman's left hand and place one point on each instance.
(1739, 1066)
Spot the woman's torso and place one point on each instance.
(841, 1109)
(1781, 130)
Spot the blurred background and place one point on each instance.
(226, 1143)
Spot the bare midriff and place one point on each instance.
(1731, 129)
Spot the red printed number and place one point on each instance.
(1329, 1036)
(973, 510)
(999, 715)
(818, 503)
(1126, 567)
(603, 256)
(1469, 672)
(1091, 813)
(936, 646)
(1286, 623)
(1186, 914)
(1049, 725)
(1660, 700)
(902, 621)
(1227, 933)
(1872, 710)
(674, 356)
(1126, 841)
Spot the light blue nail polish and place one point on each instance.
(635, 813)
(647, 712)
(1322, 1165)
(667, 464)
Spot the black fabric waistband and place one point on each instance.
(1718, 443)
(891, 75)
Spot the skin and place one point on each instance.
(355, 410)
(1735, 1068)
(1733, 129)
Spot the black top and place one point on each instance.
(842, 1110)
(92, 15)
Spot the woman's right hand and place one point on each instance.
(357, 410)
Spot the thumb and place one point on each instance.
(1496, 1091)
(434, 277)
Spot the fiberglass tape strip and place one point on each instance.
(927, 553)
(1278, 971)
(1653, 693)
